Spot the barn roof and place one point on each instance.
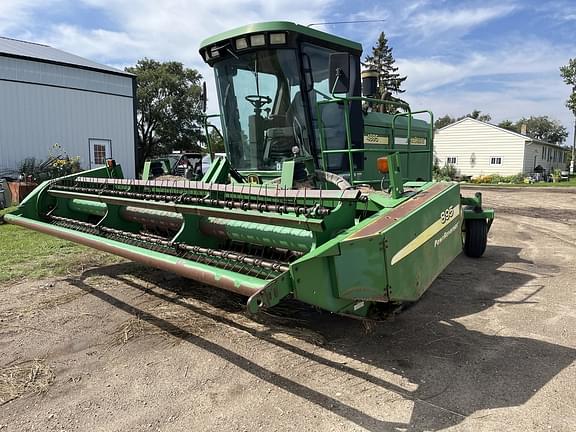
(44, 53)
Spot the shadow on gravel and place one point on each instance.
(456, 371)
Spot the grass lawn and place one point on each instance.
(29, 254)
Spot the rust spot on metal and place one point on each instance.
(368, 294)
(264, 218)
(152, 219)
(178, 268)
(400, 211)
(262, 191)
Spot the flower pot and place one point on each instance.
(19, 190)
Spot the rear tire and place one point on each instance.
(476, 237)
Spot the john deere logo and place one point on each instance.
(375, 139)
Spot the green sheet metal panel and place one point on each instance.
(313, 281)
(378, 135)
(360, 273)
(420, 245)
(281, 26)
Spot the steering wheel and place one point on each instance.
(258, 101)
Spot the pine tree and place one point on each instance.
(389, 80)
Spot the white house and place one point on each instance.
(48, 97)
(478, 148)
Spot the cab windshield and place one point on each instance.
(262, 106)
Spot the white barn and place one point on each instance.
(52, 97)
(478, 148)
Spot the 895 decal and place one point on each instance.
(447, 215)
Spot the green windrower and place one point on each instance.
(321, 197)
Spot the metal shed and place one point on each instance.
(48, 97)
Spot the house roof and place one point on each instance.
(516, 134)
(38, 52)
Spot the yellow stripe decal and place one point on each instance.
(426, 235)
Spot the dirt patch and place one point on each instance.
(490, 347)
(560, 215)
(28, 377)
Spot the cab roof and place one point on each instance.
(281, 26)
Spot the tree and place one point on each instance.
(542, 128)
(389, 80)
(509, 125)
(443, 121)
(475, 114)
(568, 74)
(216, 141)
(169, 108)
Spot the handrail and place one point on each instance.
(409, 137)
(346, 101)
(206, 125)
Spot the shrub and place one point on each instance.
(497, 179)
(516, 179)
(58, 164)
(446, 173)
(482, 179)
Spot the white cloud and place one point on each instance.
(525, 72)
(504, 100)
(431, 22)
(521, 58)
(517, 79)
(15, 14)
(175, 28)
(170, 30)
(93, 43)
(509, 103)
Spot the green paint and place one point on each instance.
(218, 171)
(280, 26)
(395, 176)
(287, 179)
(387, 246)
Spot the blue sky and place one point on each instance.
(501, 57)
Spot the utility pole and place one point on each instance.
(573, 162)
(572, 166)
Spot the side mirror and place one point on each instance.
(339, 67)
(204, 97)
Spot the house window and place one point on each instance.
(99, 154)
(495, 160)
(451, 160)
(543, 152)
